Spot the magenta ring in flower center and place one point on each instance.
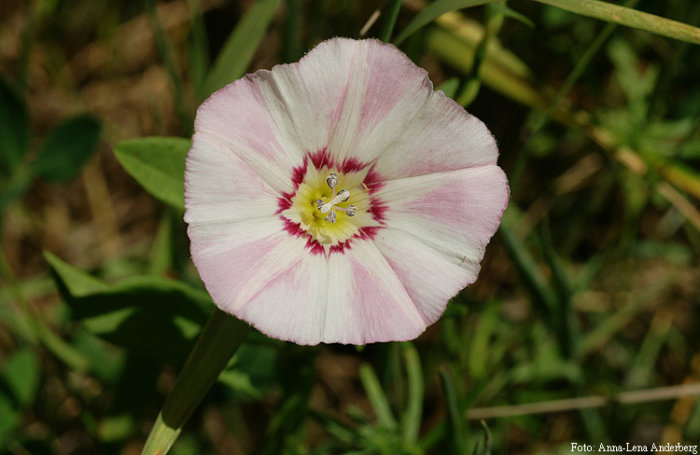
(332, 204)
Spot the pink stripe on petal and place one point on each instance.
(385, 311)
(238, 117)
(307, 97)
(455, 212)
(430, 281)
(441, 137)
(292, 305)
(220, 186)
(235, 260)
(379, 103)
(322, 158)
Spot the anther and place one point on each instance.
(332, 180)
(343, 195)
(330, 217)
(350, 211)
(319, 203)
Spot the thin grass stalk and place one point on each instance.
(166, 54)
(629, 17)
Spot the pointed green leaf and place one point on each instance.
(449, 87)
(9, 418)
(20, 373)
(77, 283)
(158, 164)
(67, 148)
(155, 315)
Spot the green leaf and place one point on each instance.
(158, 164)
(610, 12)
(9, 418)
(77, 282)
(155, 315)
(449, 87)
(14, 129)
(238, 51)
(67, 148)
(433, 11)
(20, 373)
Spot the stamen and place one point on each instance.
(350, 211)
(332, 180)
(342, 196)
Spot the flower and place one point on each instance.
(340, 198)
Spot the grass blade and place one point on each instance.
(390, 21)
(241, 45)
(630, 18)
(454, 414)
(578, 70)
(414, 407)
(376, 396)
(433, 11)
(166, 53)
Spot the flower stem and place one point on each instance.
(217, 343)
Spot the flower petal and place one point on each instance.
(454, 214)
(349, 96)
(238, 120)
(441, 136)
(220, 186)
(343, 298)
(430, 277)
(384, 91)
(383, 309)
(292, 305)
(236, 259)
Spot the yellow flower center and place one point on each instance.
(331, 206)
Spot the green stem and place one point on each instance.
(217, 343)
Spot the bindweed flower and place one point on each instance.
(340, 198)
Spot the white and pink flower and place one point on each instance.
(340, 198)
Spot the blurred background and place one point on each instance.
(589, 289)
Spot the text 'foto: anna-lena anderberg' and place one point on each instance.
(640, 448)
